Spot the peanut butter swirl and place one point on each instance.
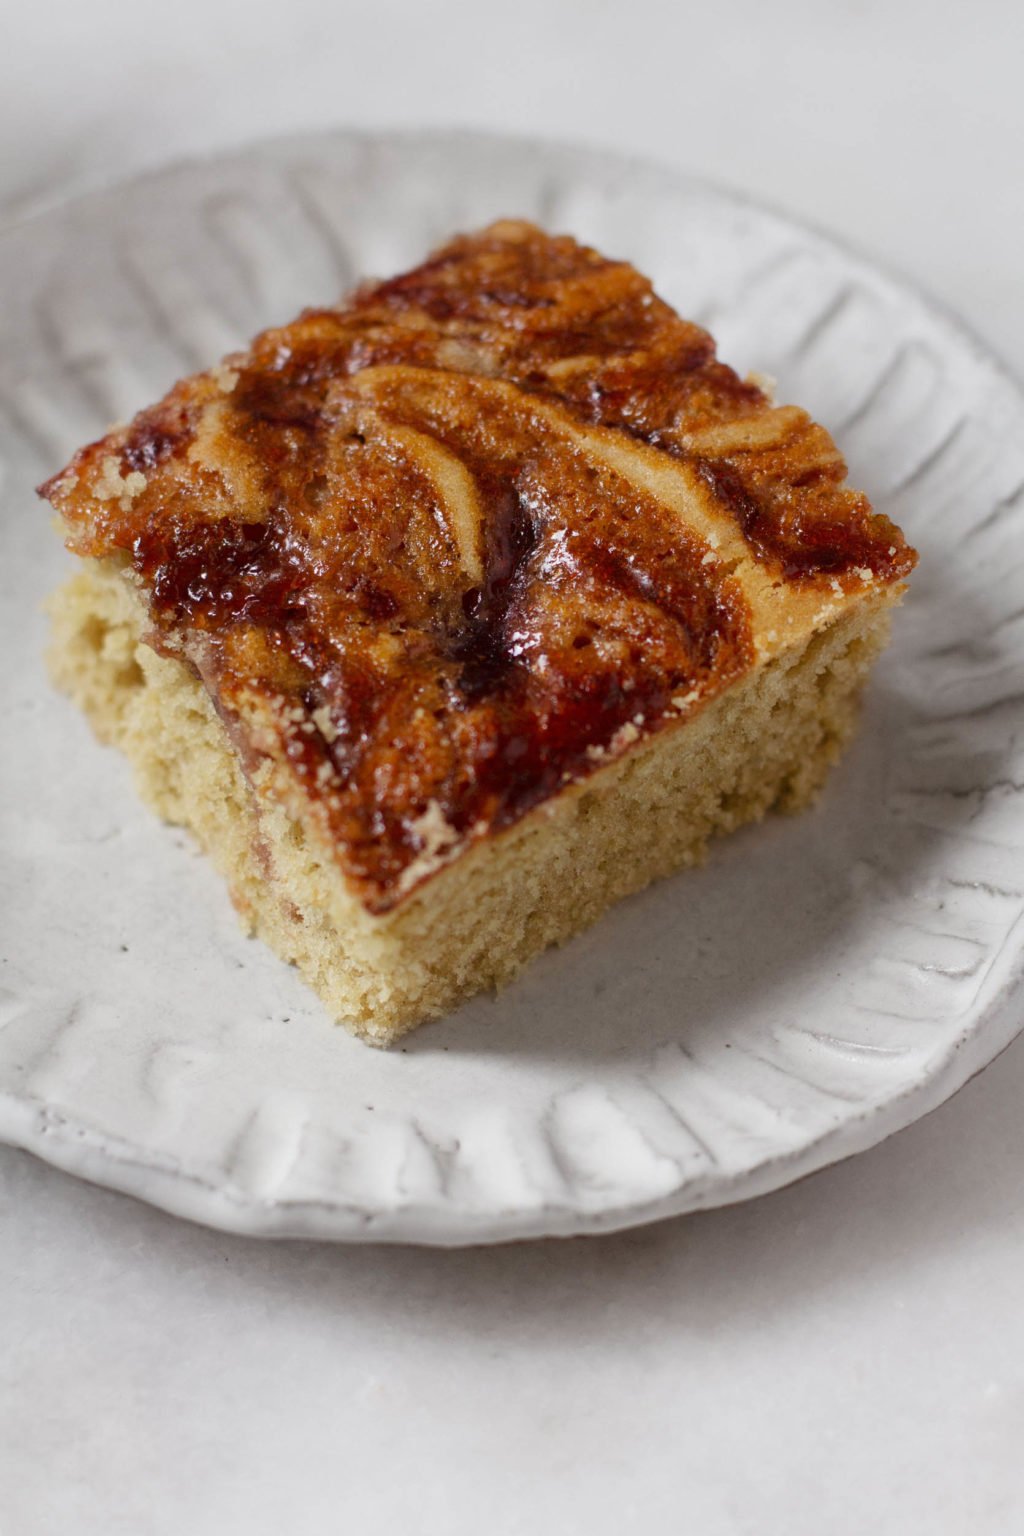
(451, 546)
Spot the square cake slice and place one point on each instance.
(449, 616)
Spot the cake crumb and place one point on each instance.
(433, 830)
(224, 377)
(112, 485)
(437, 839)
(765, 383)
(321, 718)
(624, 737)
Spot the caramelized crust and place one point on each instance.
(419, 549)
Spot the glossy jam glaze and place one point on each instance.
(382, 531)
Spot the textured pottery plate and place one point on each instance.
(823, 982)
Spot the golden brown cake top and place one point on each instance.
(449, 547)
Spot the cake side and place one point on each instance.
(767, 742)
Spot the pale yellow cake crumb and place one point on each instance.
(112, 485)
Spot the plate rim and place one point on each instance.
(909, 287)
(74, 1146)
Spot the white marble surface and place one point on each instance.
(845, 1355)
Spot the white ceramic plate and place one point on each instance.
(823, 982)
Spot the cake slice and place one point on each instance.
(447, 617)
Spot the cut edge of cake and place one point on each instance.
(767, 742)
